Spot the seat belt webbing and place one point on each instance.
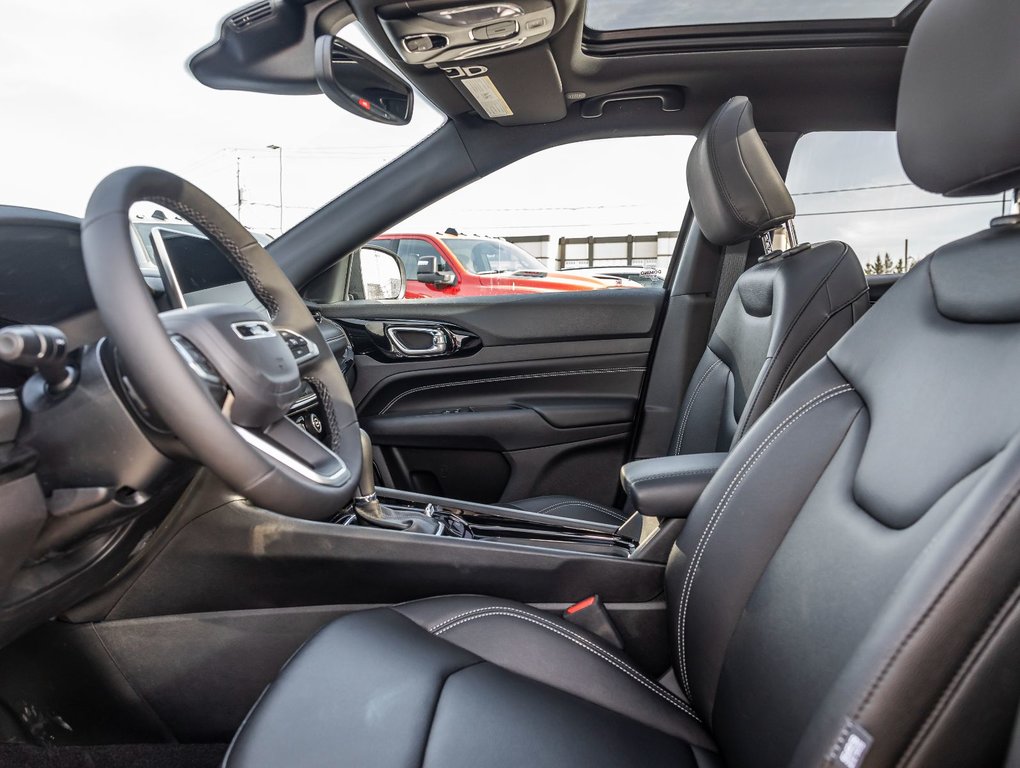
(734, 262)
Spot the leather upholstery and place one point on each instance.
(466, 681)
(669, 486)
(782, 316)
(736, 191)
(876, 483)
(956, 119)
(984, 286)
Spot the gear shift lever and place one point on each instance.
(371, 512)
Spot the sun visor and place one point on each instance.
(519, 88)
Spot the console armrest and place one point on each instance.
(669, 486)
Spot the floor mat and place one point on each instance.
(113, 756)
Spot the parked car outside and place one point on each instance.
(452, 264)
(646, 277)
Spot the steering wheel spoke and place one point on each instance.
(288, 444)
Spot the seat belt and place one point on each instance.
(734, 262)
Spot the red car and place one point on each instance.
(460, 265)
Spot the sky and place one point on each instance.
(88, 88)
(632, 14)
(110, 89)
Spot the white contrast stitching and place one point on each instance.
(452, 619)
(690, 406)
(577, 503)
(685, 592)
(481, 613)
(496, 379)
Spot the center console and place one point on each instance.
(661, 492)
(485, 522)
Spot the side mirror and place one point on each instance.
(355, 81)
(377, 274)
(428, 272)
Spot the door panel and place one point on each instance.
(540, 398)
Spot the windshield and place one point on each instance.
(126, 98)
(482, 256)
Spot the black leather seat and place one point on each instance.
(846, 591)
(781, 317)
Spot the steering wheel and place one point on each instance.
(220, 376)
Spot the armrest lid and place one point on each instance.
(669, 486)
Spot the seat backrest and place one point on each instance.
(783, 314)
(847, 590)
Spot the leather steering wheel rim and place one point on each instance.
(164, 378)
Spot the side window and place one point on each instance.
(594, 215)
(412, 249)
(850, 186)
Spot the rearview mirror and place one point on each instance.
(355, 81)
(428, 272)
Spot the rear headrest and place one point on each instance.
(959, 104)
(736, 191)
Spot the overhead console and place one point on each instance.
(439, 35)
(493, 53)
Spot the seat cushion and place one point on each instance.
(568, 506)
(465, 681)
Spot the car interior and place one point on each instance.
(257, 511)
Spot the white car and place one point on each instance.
(645, 277)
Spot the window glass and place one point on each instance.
(643, 14)
(489, 257)
(850, 186)
(271, 160)
(412, 249)
(594, 215)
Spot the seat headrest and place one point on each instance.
(736, 191)
(959, 104)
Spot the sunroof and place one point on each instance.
(612, 15)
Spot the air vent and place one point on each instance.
(253, 14)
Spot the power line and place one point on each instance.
(898, 208)
(851, 189)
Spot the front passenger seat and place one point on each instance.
(781, 317)
(846, 592)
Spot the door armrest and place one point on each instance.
(669, 486)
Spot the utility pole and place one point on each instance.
(279, 151)
(906, 257)
(237, 159)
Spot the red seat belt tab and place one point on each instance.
(592, 615)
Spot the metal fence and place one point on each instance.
(572, 252)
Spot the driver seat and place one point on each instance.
(845, 592)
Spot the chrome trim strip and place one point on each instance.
(341, 476)
(440, 340)
(303, 402)
(173, 287)
(184, 352)
(261, 329)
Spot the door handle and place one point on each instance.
(419, 340)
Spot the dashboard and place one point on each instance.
(104, 474)
(43, 280)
